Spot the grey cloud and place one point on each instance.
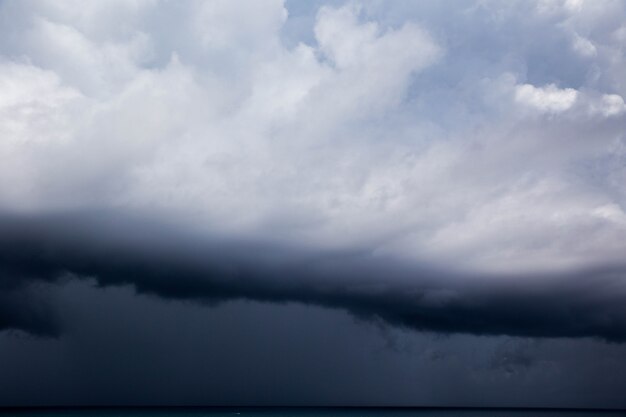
(25, 309)
(163, 261)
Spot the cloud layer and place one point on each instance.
(158, 260)
(478, 145)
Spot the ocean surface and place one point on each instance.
(301, 412)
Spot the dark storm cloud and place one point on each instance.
(161, 260)
(21, 309)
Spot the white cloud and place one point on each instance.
(546, 99)
(612, 105)
(584, 46)
(389, 129)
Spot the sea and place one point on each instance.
(301, 412)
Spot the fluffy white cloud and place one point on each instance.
(546, 99)
(489, 136)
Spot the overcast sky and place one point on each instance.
(313, 202)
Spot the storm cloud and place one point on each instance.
(162, 261)
(435, 167)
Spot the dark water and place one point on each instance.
(300, 412)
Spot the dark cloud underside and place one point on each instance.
(159, 260)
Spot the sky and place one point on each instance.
(313, 202)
